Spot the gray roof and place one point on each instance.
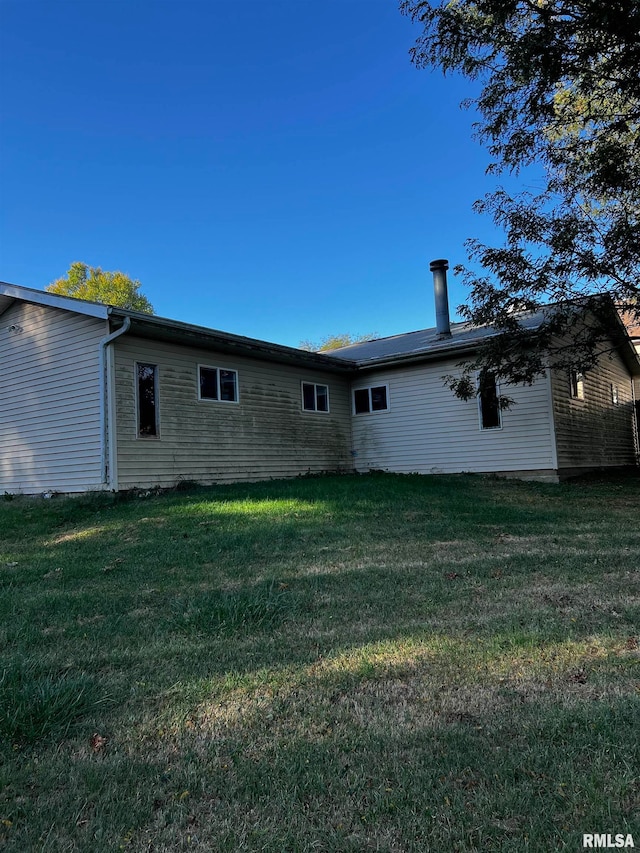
(423, 344)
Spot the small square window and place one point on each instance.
(217, 383)
(373, 399)
(315, 398)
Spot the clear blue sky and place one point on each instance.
(273, 168)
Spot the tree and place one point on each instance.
(559, 88)
(335, 342)
(98, 285)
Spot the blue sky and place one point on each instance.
(273, 168)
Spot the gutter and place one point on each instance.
(175, 331)
(104, 398)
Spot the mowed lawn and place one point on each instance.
(390, 663)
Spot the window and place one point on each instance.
(576, 380)
(218, 383)
(489, 401)
(315, 398)
(147, 400)
(373, 399)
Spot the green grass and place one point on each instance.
(332, 664)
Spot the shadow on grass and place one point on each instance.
(519, 777)
(337, 664)
(269, 576)
(466, 784)
(198, 630)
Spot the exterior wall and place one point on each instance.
(429, 430)
(49, 400)
(265, 435)
(636, 395)
(593, 432)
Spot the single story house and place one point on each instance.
(97, 397)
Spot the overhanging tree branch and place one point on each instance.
(560, 89)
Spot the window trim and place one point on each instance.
(481, 425)
(369, 388)
(217, 369)
(156, 386)
(316, 385)
(576, 385)
(615, 394)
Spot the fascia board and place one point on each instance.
(53, 300)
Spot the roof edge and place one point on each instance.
(54, 300)
(425, 355)
(152, 326)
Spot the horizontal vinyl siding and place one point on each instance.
(429, 430)
(265, 435)
(49, 400)
(593, 432)
(636, 395)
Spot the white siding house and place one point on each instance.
(418, 425)
(70, 401)
(97, 397)
(50, 398)
(427, 430)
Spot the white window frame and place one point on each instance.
(481, 425)
(217, 369)
(316, 385)
(156, 407)
(576, 384)
(369, 388)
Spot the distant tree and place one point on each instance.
(560, 88)
(98, 285)
(335, 342)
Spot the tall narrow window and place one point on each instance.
(147, 388)
(315, 398)
(576, 380)
(489, 401)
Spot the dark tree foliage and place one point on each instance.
(560, 87)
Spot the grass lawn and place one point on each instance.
(335, 664)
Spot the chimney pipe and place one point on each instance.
(439, 269)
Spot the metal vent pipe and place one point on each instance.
(439, 269)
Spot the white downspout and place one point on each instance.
(104, 397)
(552, 420)
(636, 422)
